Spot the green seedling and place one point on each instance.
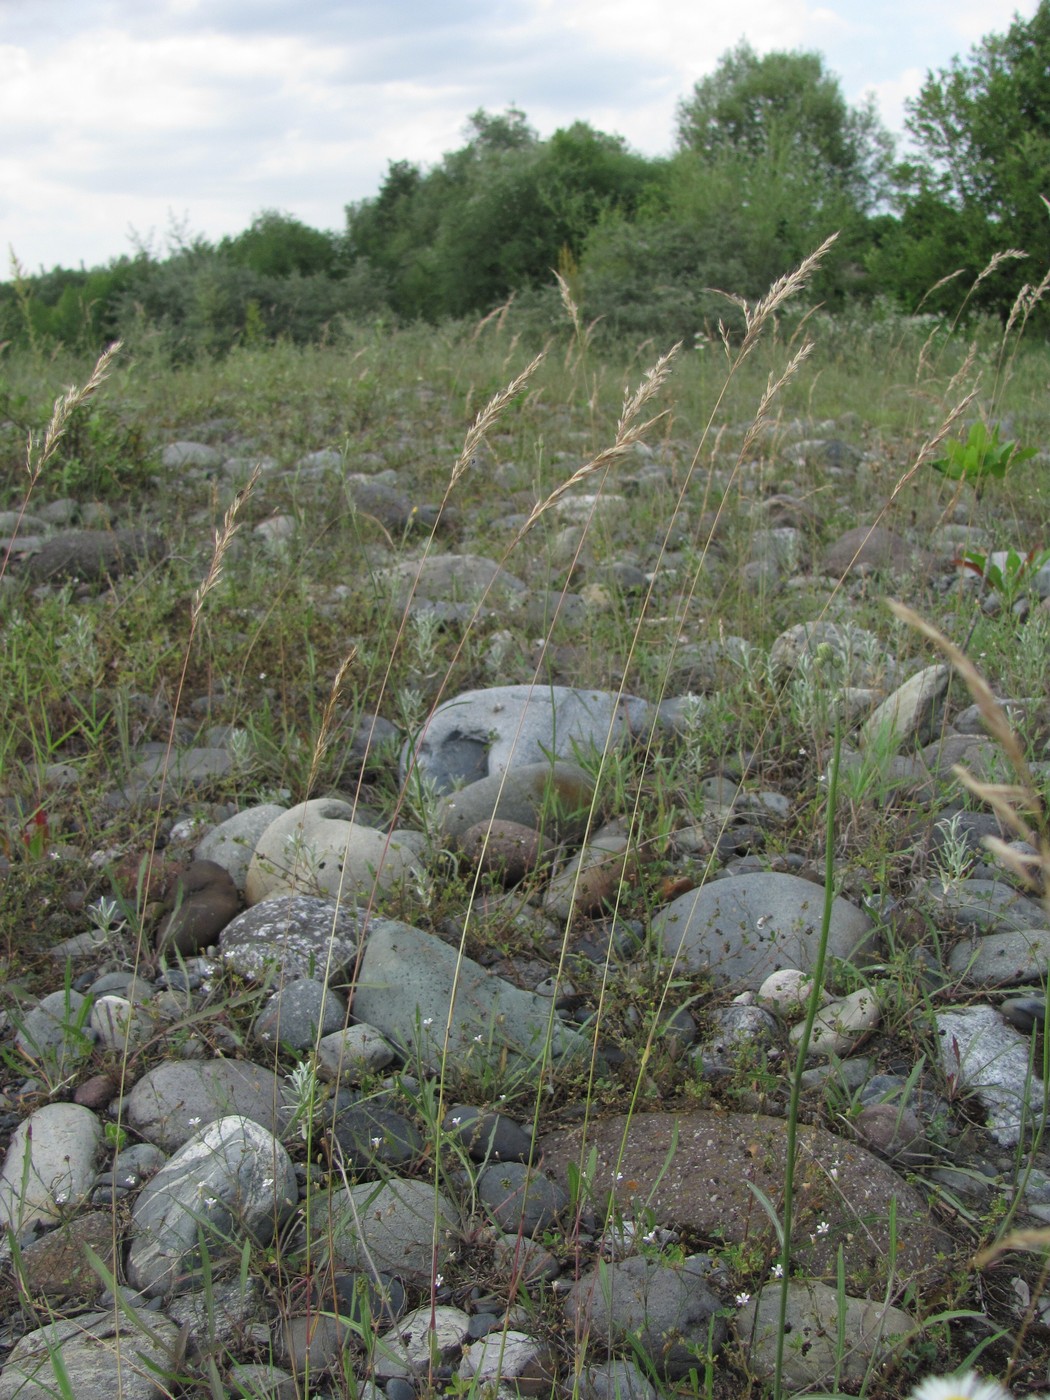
(1011, 576)
(980, 457)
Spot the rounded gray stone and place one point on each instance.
(388, 1228)
(740, 930)
(231, 1182)
(484, 732)
(292, 936)
(299, 1013)
(50, 1164)
(232, 843)
(170, 1103)
(94, 1349)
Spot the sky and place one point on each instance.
(133, 123)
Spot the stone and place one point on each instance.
(169, 1104)
(205, 899)
(980, 906)
(487, 1136)
(527, 1365)
(95, 1348)
(298, 1013)
(369, 1136)
(316, 848)
(1001, 959)
(519, 1198)
(181, 769)
(740, 930)
(615, 1379)
(905, 714)
(387, 1227)
(982, 1055)
(232, 843)
(870, 549)
(737, 1039)
(847, 652)
(677, 1164)
(483, 732)
(292, 936)
(190, 454)
(90, 556)
(118, 1025)
(508, 851)
(423, 1339)
(788, 992)
(50, 1165)
(666, 1312)
(57, 1266)
(550, 800)
(842, 1024)
(230, 1182)
(55, 1034)
(352, 1053)
(874, 1333)
(592, 878)
(407, 980)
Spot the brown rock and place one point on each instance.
(695, 1172)
(56, 1266)
(506, 849)
(97, 1091)
(206, 900)
(870, 549)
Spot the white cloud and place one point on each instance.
(115, 112)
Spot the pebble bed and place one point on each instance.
(316, 1201)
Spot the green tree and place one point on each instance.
(276, 245)
(788, 108)
(982, 131)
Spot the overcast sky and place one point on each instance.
(124, 118)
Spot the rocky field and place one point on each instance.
(489, 901)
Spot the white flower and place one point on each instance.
(777, 1271)
(966, 1387)
(192, 1122)
(439, 1279)
(428, 1020)
(742, 1299)
(456, 1120)
(377, 1142)
(478, 1039)
(823, 1227)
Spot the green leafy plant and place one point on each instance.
(1008, 577)
(980, 457)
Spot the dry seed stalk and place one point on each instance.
(628, 432)
(223, 537)
(488, 416)
(324, 734)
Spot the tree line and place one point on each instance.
(768, 159)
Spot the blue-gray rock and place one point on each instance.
(668, 1313)
(232, 843)
(520, 1198)
(741, 929)
(49, 1166)
(453, 578)
(615, 1379)
(292, 936)
(93, 1348)
(815, 1313)
(231, 1182)
(402, 1227)
(553, 798)
(369, 1136)
(736, 1038)
(406, 982)
(169, 1104)
(487, 1137)
(981, 1054)
(190, 454)
(483, 732)
(56, 1034)
(984, 906)
(297, 1014)
(1001, 959)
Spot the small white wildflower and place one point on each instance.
(129, 1181)
(210, 1200)
(966, 1387)
(834, 1173)
(619, 1176)
(742, 1299)
(428, 1021)
(377, 1142)
(456, 1120)
(61, 1197)
(192, 1122)
(439, 1279)
(478, 1039)
(777, 1271)
(823, 1227)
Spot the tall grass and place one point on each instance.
(269, 647)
